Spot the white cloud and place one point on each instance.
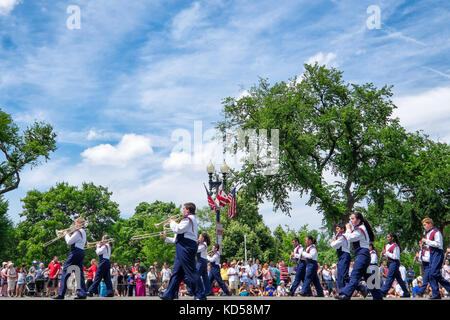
(187, 20)
(428, 111)
(6, 6)
(99, 134)
(329, 59)
(130, 147)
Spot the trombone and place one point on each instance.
(166, 222)
(61, 233)
(151, 234)
(94, 243)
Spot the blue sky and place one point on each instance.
(137, 72)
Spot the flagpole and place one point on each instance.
(245, 247)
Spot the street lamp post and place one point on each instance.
(215, 184)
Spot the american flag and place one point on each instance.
(211, 201)
(223, 198)
(232, 207)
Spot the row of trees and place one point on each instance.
(46, 212)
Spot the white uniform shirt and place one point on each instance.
(187, 226)
(437, 242)
(341, 242)
(395, 255)
(103, 249)
(424, 254)
(215, 258)
(373, 257)
(202, 249)
(311, 254)
(402, 271)
(169, 240)
(360, 234)
(298, 252)
(78, 238)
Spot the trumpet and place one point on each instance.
(94, 243)
(61, 233)
(165, 222)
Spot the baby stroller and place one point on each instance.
(30, 286)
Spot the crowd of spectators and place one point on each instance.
(242, 279)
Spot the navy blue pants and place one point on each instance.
(343, 266)
(299, 276)
(103, 272)
(202, 267)
(215, 275)
(426, 277)
(394, 274)
(312, 277)
(75, 257)
(435, 276)
(362, 261)
(184, 266)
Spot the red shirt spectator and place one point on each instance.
(91, 271)
(284, 273)
(54, 268)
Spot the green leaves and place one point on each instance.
(18, 150)
(332, 130)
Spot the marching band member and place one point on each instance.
(311, 269)
(186, 249)
(103, 251)
(342, 246)
(202, 261)
(373, 255)
(215, 271)
(392, 252)
(76, 256)
(360, 237)
(301, 265)
(423, 257)
(434, 240)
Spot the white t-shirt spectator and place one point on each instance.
(281, 290)
(446, 270)
(402, 270)
(326, 274)
(233, 274)
(166, 273)
(114, 274)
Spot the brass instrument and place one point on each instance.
(151, 234)
(94, 243)
(166, 222)
(61, 233)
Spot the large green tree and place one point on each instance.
(20, 149)
(328, 130)
(423, 190)
(55, 209)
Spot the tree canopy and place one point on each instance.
(339, 146)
